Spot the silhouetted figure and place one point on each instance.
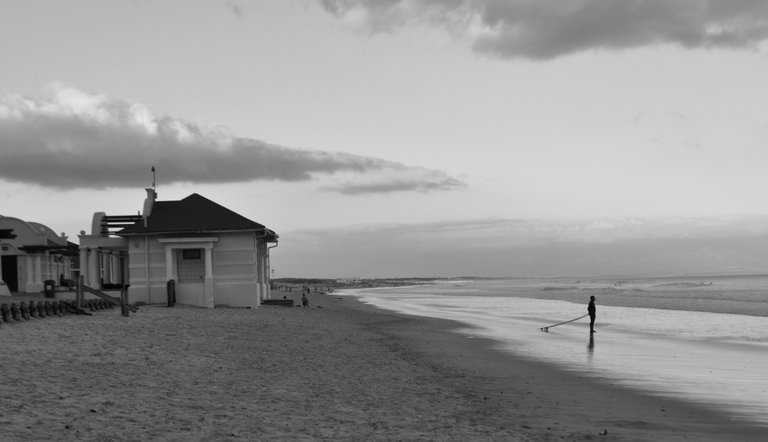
(592, 313)
(304, 300)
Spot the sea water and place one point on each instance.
(699, 339)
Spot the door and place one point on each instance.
(190, 269)
(191, 266)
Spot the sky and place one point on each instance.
(400, 137)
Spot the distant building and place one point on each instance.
(213, 255)
(30, 254)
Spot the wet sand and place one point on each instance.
(338, 370)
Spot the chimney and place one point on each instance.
(148, 203)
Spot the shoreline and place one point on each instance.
(550, 402)
(339, 370)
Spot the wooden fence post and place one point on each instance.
(79, 293)
(124, 301)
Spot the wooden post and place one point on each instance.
(124, 301)
(79, 293)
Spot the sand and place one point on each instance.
(338, 370)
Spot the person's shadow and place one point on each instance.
(591, 346)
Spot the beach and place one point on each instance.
(337, 370)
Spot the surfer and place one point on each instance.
(591, 310)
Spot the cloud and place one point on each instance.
(510, 247)
(75, 139)
(546, 29)
(397, 179)
(236, 7)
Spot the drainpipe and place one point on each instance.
(268, 249)
(257, 267)
(272, 247)
(269, 261)
(256, 250)
(260, 268)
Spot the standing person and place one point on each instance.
(591, 310)
(304, 300)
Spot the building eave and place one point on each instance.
(192, 232)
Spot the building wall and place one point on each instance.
(146, 257)
(235, 275)
(233, 269)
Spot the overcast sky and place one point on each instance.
(391, 138)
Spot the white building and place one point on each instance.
(30, 254)
(213, 255)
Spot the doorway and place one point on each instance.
(11, 272)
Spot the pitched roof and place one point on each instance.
(193, 214)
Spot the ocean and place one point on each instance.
(701, 339)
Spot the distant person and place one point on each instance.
(592, 313)
(304, 300)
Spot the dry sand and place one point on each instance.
(338, 370)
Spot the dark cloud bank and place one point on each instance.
(518, 248)
(545, 29)
(74, 139)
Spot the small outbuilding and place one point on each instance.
(214, 256)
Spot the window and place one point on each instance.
(191, 254)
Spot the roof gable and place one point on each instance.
(193, 214)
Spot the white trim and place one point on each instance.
(248, 278)
(223, 263)
(170, 268)
(188, 239)
(206, 243)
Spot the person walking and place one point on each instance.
(592, 313)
